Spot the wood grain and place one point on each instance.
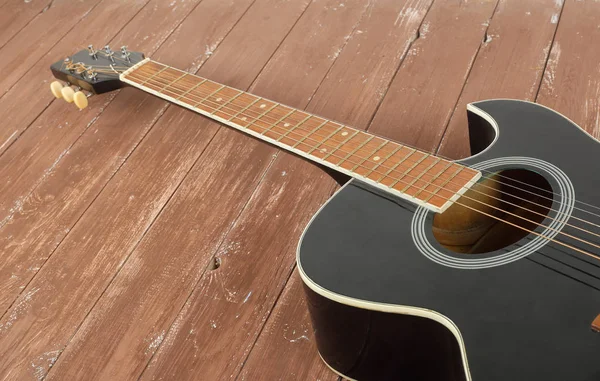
(219, 185)
(74, 184)
(21, 105)
(288, 196)
(124, 205)
(15, 15)
(34, 166)
(510, 63)
(571, 83)
(36, 39)
(286, 349)
(420, 100)
(282, 318)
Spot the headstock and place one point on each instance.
(93, 71)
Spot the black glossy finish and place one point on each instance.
(373, 345)
(106, 80)
(528, 320)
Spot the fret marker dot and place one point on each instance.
(286, 125)
(263, 105)
(243, 118)
(376, 158)
(219, 99)
(344, 133)
(323, 150)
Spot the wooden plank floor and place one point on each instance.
(112, 219)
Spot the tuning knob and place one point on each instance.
(56, 88)
(80, 100)
(67, 93)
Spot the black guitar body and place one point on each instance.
(388, 302)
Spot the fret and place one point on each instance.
(369, 156)
(154, 75)
(396, 165)
(361, 145)
(191, 89)
(339, 146)
(425, 156)
(309, 134)
(384, 160)
(245, 108)
(261, 115)
(294, 127)
(278, 121)
(209, 95)
(360, 154)
(416, 178)
(228, 102)
(171, 84)
(460, 168)
(434, 177)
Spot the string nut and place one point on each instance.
(67, 93)
(56, 88)
(80, 100)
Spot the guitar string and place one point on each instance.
(487, 214)
(492, 206)
(488, 172)
(445, 158)
(407, 145)
(223, 107)
(171, 84)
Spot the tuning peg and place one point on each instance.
(67, 93)
(93, 53)
(80, 99)
(56, 88)
(124, 53)
(109, 53)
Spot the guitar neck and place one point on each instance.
(414, 175)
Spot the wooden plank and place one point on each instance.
(58, 203)
(38, 37)
(420, 101)
(108, 245)
(258, 253)
(284, 317)
(571, 83)
(286, 349)
(16, 14)
(40, 149)
(219, 185)
(510, 63)
(24, 164)
(33, 161)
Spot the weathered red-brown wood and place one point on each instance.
(142, 208)
(36, 39)
(31, 165)
(75, 181)
(286, 348)
(571, 83)
(16, 14)
(263, 239)
(422, 97)
(220, 185)
(509, 64)
(22, 104)
(24, 164)
(282, 319)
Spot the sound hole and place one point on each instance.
(514, 196)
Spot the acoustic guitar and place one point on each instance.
(420, 267)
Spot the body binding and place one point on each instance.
(382, 310)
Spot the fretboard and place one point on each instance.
(411, 174)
